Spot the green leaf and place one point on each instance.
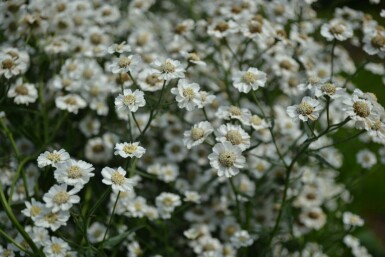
(113, 241)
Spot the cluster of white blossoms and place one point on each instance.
(178, 128)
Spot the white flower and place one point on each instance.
(233, 134)
(227, 159)
(351, 241)
(234, 112)
(116, 178)
(374, 43)
(166, 203)
(121, 48)
(125, 64)
(220, 28)
(308, 109)
(253, 78)
(257, 123)
(241, 239)
(52, 220)
(353, 220)
(382, 14)
(129, 150)
(169, 69)
(187, 95)
(313, 218)
(336, 29)
(328, 89)
(71, 103)
(22, 93)
(58, 198)
(34, 209)
(192, 196)
(56, 247)
(129, 101)
(74, 173)
(198, 133)
(366, 158)
(52, 158)
(95, 232)
(359, 110)
(11, 66)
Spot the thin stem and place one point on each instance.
(136, 122)
(10, 239)
(109, 222)
(342, 141)
(13, 219)
(238, 209)
(332, 60)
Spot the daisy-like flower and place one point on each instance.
(74, 173)
(359, 110)
(227, 159)
(129, 101)
(167, 202)
(129, 150)
(22, 93)
(169, 69)
(313, 218)
(336, 29)
(221, 28)
(95, 232)
(11, 66)
(328, 89)
(377, 130)
(234, 112)
(374, 43)
(192, 196)
(253, 78)
(241, 239)
(187, 95)
(258, 123)
(125, 64)
(116, 178)
(121, 48)
(56, 247)
(308, 109)
(198, 133)
(233, 134)
(52, 158)
(366, 158)
(34, 209)
(51, 219)
(58, 198)
(352, 220)
(71, 103)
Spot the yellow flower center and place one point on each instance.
(329, 88)
(249, 78)
(129, 99)
(227, 158)
(378, 41)
(35, 210)
(71, 101)
(74, 172)
(117, 178)
(197, 133)
(337, 29)
(168, 67)
(61, 197)
(361, 109)
(7, 64)
(124, 62)
(129, 149)
(235, 111)
(305, 109)
(256, 120)
(222, 26)
(189, 93)
(53, 157)
(234, 137)
(21, 90)
(56, 248)
(51, 217)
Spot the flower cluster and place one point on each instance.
(172, 128)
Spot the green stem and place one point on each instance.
(14, 221)
(110, 220)
(238, 207)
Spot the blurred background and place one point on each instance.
(369, 189)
